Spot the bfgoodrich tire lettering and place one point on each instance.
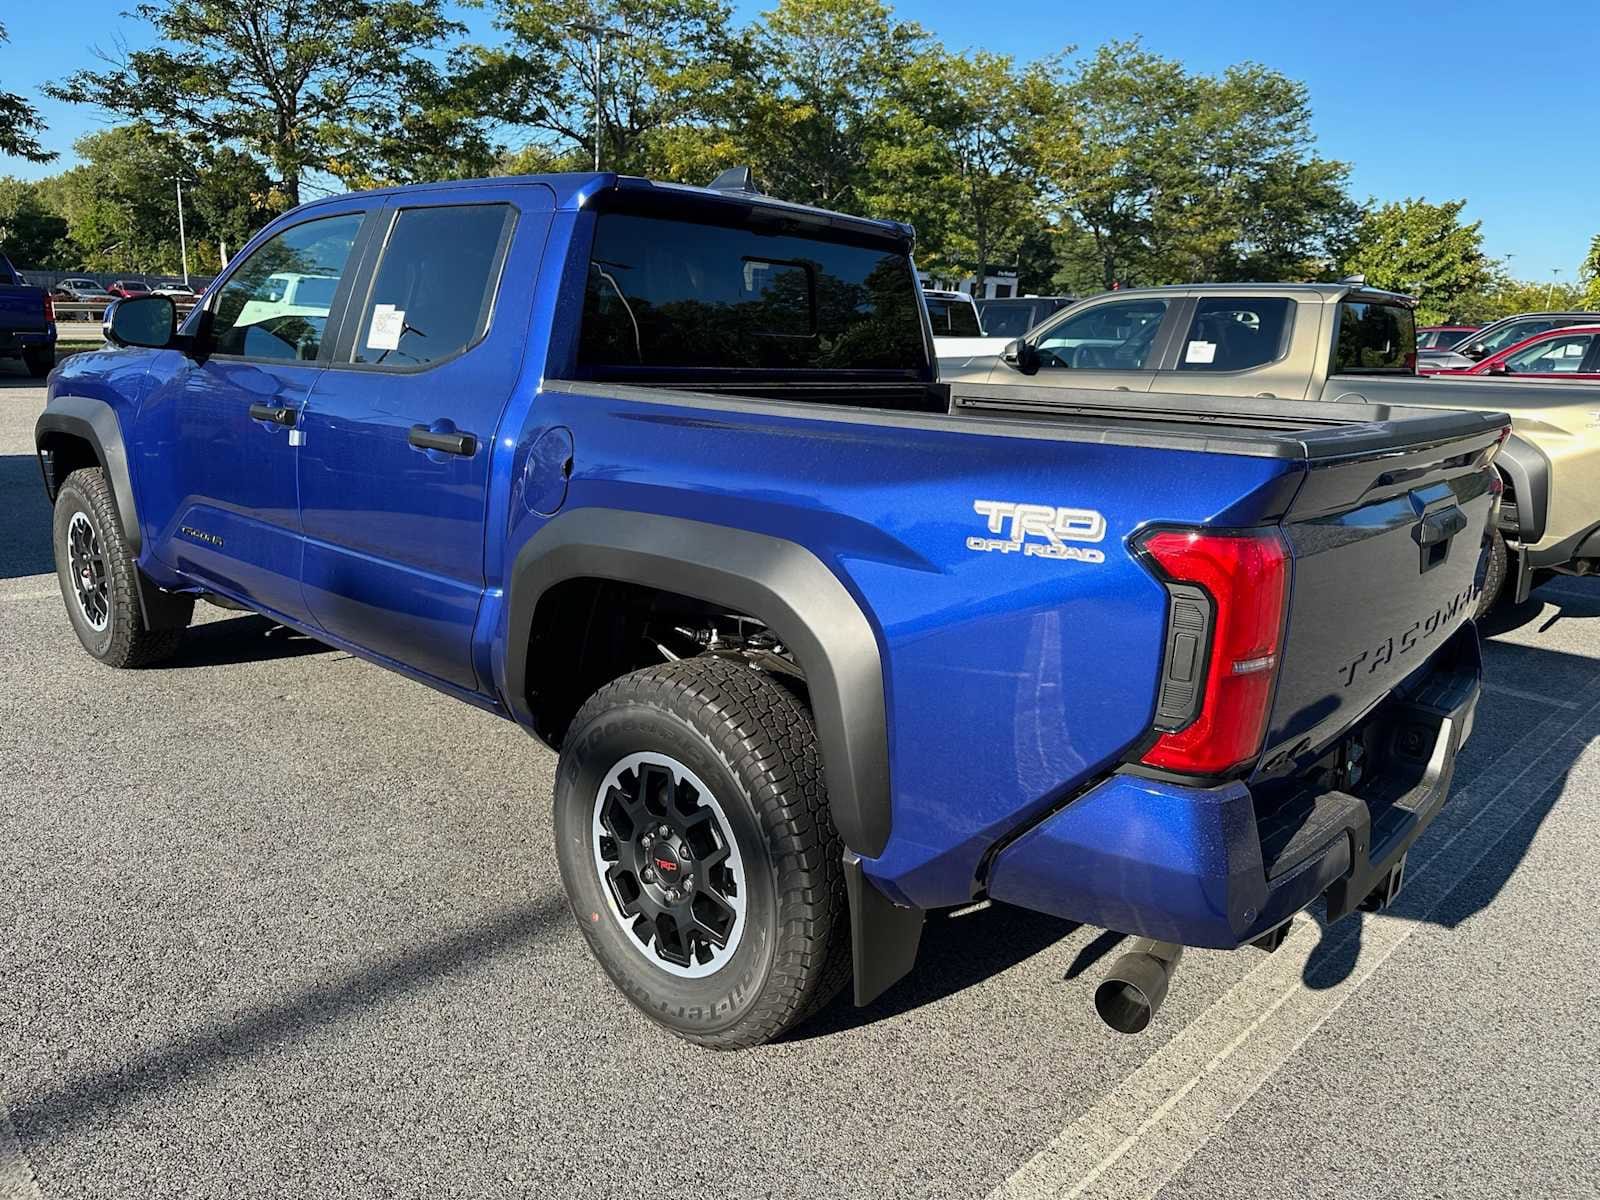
(104, 605)
(752, 744)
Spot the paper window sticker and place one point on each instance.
(387, 323)
(1200, 352)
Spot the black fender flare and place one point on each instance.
(95, 422)
(778, 582)
(1527, 470)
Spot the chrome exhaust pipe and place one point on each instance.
(1132, 991)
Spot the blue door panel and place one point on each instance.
(219, 487)
(395, 534)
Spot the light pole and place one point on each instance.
(183, 241)
(1550, 292)
(599, 33)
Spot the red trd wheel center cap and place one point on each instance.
(667, 863)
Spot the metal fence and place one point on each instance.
(49, 279)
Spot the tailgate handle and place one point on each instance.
(1439, 527)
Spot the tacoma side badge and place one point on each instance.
(1053, 527)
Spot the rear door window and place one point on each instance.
(1108, 337)
(1235, 334)
(1374, 338)
(433, 292)
(672, 295)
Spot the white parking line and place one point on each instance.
(51, 595)
(1518, 694)
(17, 1181)
(1145, 1131)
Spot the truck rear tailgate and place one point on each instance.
(21, 309)
(1386, 544)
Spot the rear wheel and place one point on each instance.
(99, 578)
(1494, 574)
(697, 850)
(39, 362)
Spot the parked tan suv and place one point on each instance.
(1279, 341)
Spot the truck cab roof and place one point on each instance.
(577, 190)
(1331, 293)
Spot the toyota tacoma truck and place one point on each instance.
(666, 475)
(1265, 343)
(27, 322)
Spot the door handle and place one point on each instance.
(424, 438)
(277, 414)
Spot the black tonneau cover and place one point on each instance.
(1308, 430)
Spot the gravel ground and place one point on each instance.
(277, 922)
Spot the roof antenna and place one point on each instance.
(734, 179)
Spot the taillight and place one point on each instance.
(1225, 632)
(49, 309)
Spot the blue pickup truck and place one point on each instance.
(27, 322)
(667, 476)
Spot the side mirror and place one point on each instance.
(147, 321)
(1020, 356)
(1498, 368)
(1476, 350)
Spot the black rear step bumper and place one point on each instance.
(1222, 866)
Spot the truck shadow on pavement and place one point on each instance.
(1559, 592)
(99, 1094)
(1569, 681)
(25, 547)
(960, 948)
(246, 638)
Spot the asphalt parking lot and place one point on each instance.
(275, 922)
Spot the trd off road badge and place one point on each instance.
(1050, 530)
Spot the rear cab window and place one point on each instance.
(1236, 333)
(691, 303)
(1374, 338)
(1012, 319)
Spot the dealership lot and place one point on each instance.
(278, 922)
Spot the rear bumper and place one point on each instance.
(1222, 866)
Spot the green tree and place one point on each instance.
(1504, 297)
(20, 125)
(120, 208)
(30, 234)
(667, 68)
(947, 161)
(335, 86)
(1170, 177)
(827, 74)
(1426, 251)
(1589, 275)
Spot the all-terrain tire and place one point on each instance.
(109, 624)
(1494, 575)
(751, 742)
(39, 362)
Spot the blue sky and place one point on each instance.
(1491, 101)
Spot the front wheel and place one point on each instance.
(99, 578)
(698, 853)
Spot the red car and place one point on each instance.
(1571, 353)
(127, 288)
(1442, 337)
